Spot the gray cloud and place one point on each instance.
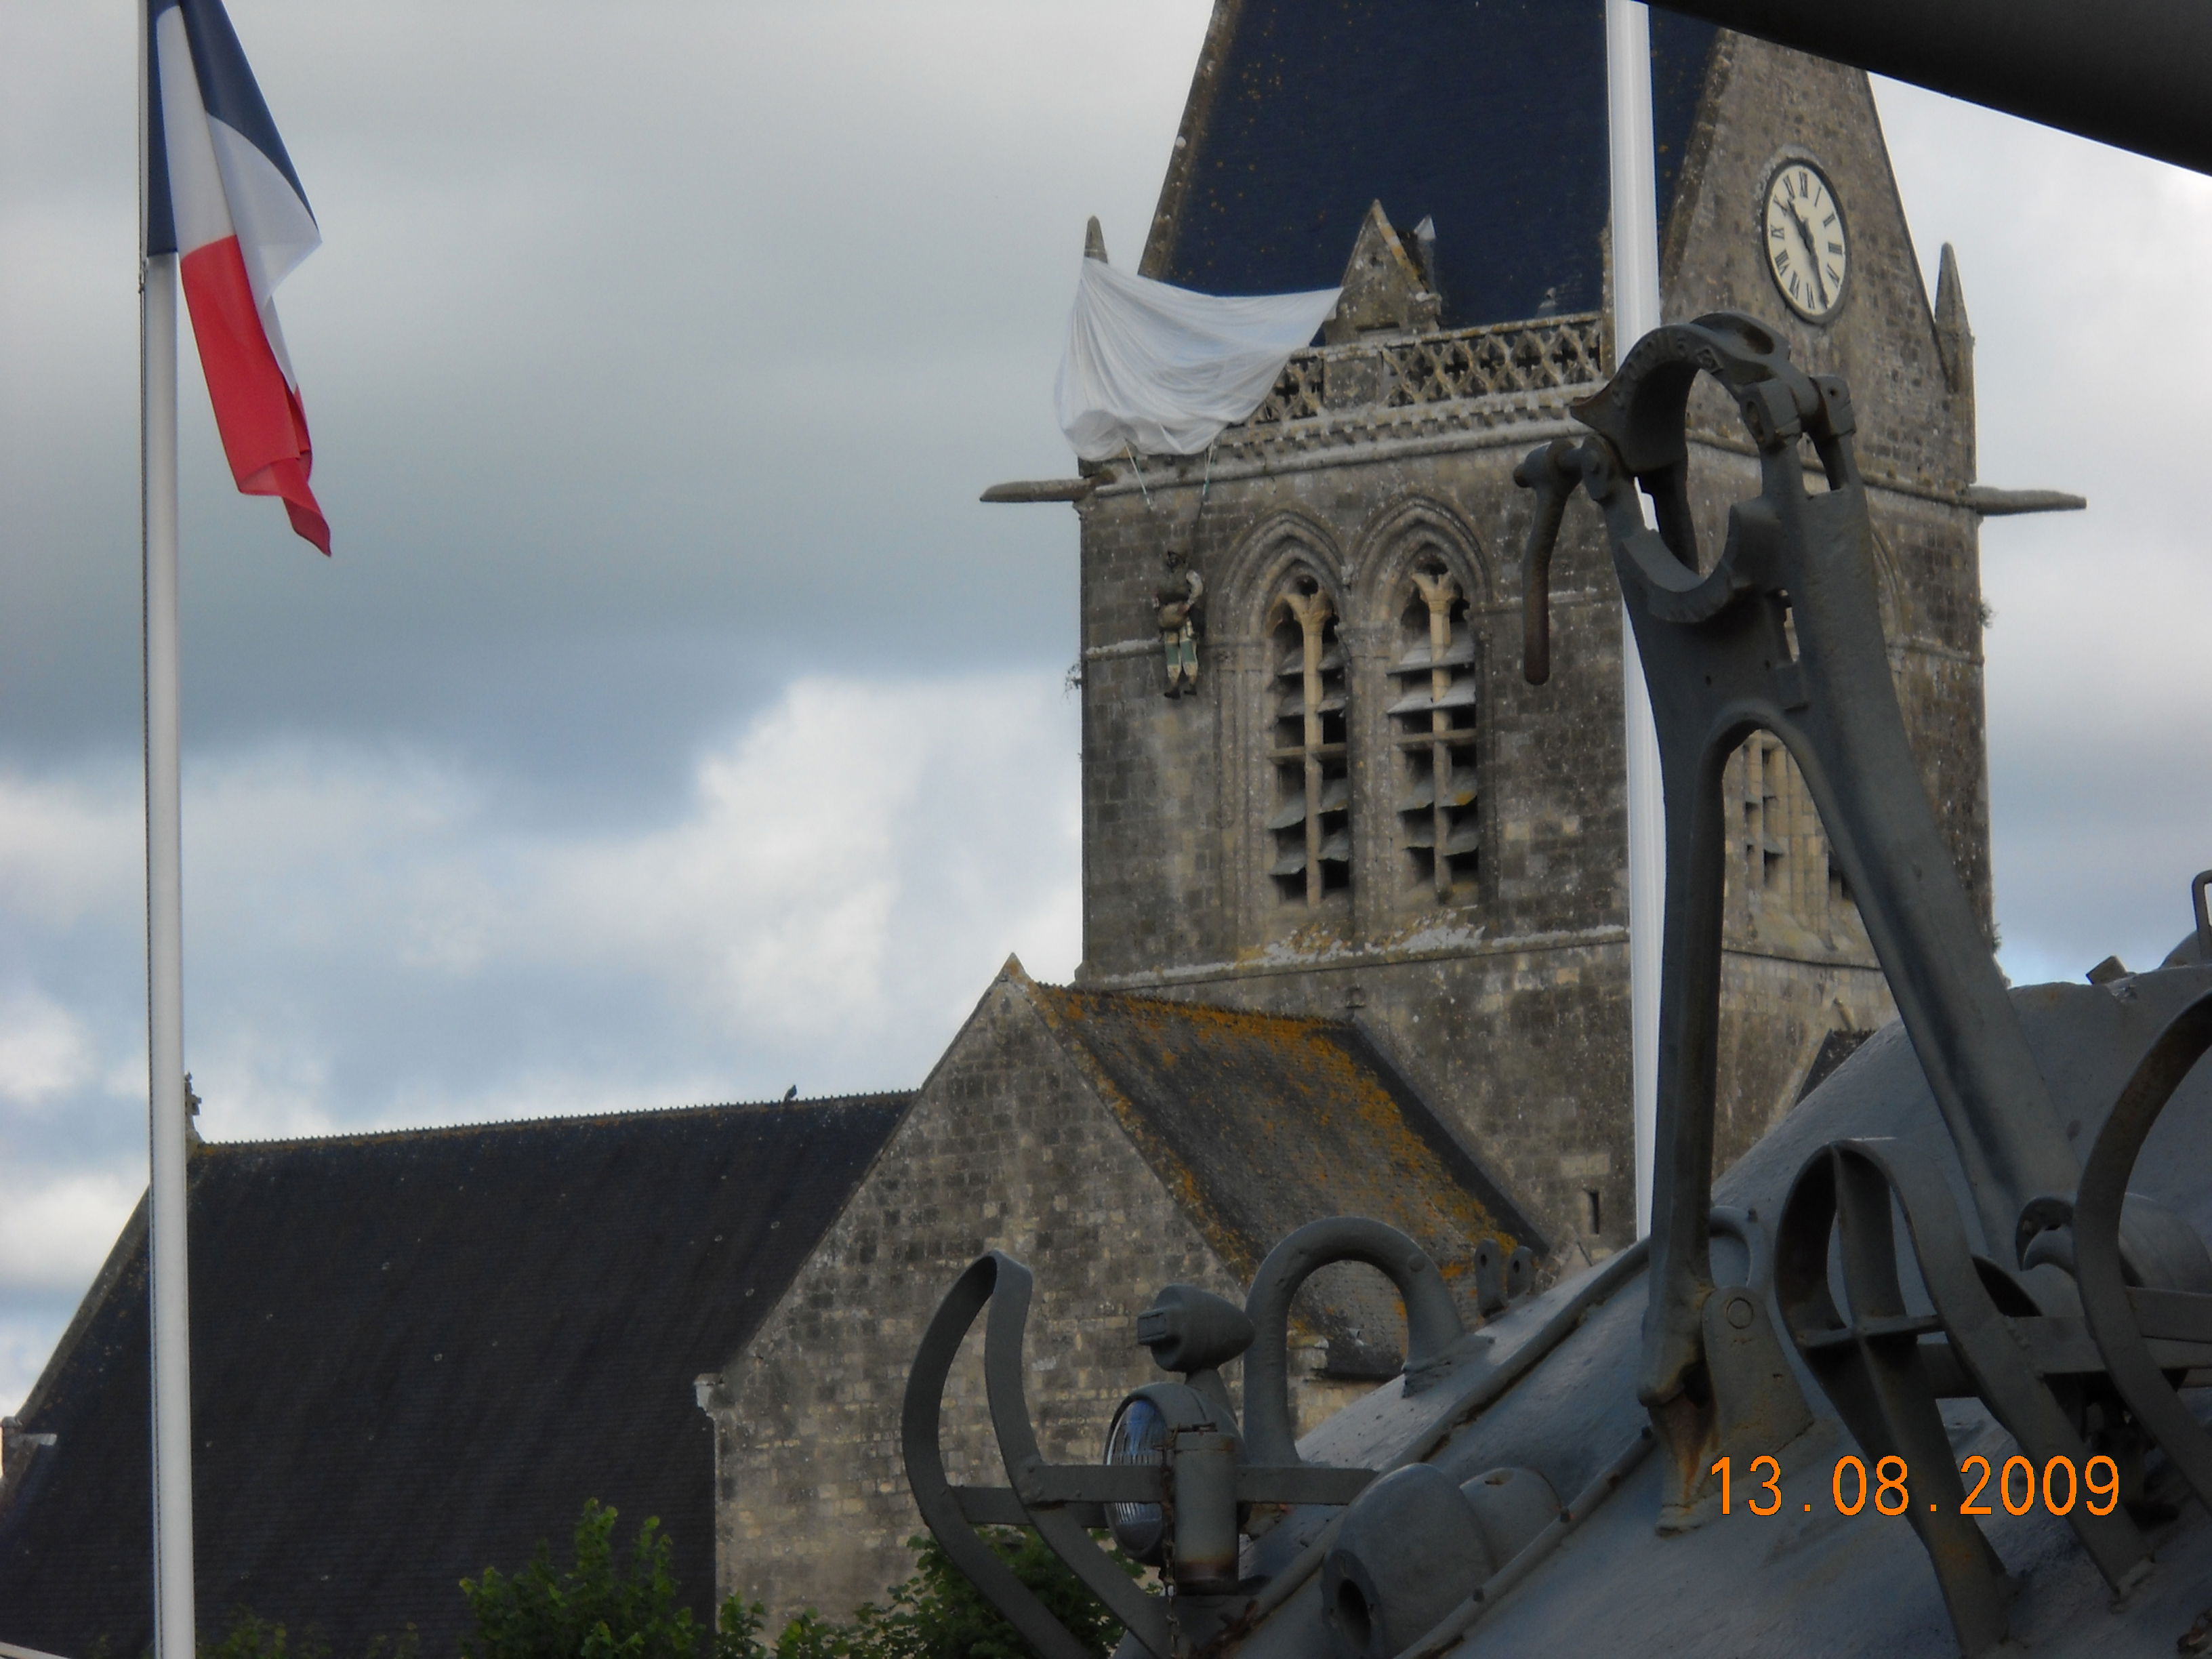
(376, 938)
(705, 327)
(2082, 269)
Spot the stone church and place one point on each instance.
(1354, 902)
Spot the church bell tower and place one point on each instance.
(1315, 778)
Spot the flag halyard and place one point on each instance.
(223, 196)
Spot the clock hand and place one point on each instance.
(1812, 253)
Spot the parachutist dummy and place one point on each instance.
(1180, 595)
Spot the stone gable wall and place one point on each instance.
(1004, 1148)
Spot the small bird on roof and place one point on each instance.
(792, 1093)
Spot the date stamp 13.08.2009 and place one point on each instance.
(2057, 1487)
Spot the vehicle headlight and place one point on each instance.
(1139, 1436)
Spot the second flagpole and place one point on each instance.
(1636, 313)
(167, 1126)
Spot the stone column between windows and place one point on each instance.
(1438, 591)
(1313, 611)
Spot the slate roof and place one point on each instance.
(1489, 115)
(416, 1354)
(1259, 1123)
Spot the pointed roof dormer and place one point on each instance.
(1954, 340)
(1385, 291)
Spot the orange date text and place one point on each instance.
(2018, 1486)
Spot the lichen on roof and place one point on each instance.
(1262, 1123)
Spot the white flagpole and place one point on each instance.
(1636, 313)
(174, 1622)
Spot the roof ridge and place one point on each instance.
(484, 1125)
(1185, 1005)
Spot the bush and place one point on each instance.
(253, 1638)
(595, 1610)
(591, 1610)
(936, 1614)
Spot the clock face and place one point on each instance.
(1809, 249)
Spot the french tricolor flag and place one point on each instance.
(222, 196)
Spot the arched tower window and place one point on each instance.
(1432, 721)
(1311, 824)
(1781, 887)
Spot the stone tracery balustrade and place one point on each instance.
(1423, 371)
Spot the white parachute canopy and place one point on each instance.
(1161, 370)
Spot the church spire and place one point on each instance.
(1955, 346)
(1954, 338)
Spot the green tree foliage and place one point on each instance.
(252, 1637)
(935, 1614)
(594, 1609)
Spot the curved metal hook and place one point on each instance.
(1642, 417)
(1868, 1360)
(1553, 473)
(1432, 1321)
(1868, 1363)
(1005, 1284)
(2116, 1314)
(921, 1421)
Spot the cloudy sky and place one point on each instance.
(674, 724)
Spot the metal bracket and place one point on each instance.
(1436, 1336)
(1780, 632)
(1064, 1502)
(1757, 1407)
(1869, 1359)
(1042, 1494)
(2126, 1321)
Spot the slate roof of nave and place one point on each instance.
(1488, 115)
(1259, 1123)
(412, 1349)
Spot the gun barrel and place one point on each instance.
(2132, 73)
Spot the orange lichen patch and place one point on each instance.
(1259, 1123)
